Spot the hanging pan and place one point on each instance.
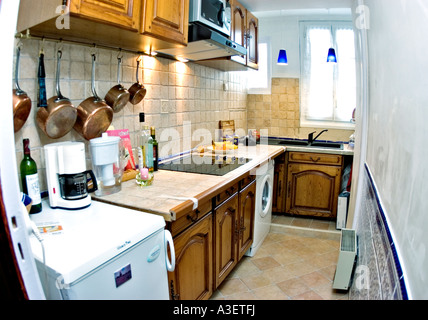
(21, 101)
(118, 96)
(94, 115)
(56, 117)
(137, 90)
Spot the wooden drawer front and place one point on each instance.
(315, 158)
(226, 194)
(247, 180)
(187, 219)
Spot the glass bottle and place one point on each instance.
(145, 149)
(155, 149)
(30, 178)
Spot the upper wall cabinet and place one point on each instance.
(166, 19)
(123, 13)
(137, 25)
(245, 32)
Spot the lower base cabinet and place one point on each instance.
(207, 250)
(193, 274)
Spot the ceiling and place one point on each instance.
(282, 5)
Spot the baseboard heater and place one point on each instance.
(346, 261)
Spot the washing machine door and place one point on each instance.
(266, 196)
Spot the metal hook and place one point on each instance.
(120, 54)
(42, 49)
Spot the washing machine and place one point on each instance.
(264, 198)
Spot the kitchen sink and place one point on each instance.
(331, 145)
(293, 143)
(316, 144)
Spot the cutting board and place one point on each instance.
(227, 127)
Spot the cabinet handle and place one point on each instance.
(315, 160)
(289, 189)
(189, 217)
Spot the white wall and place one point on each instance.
(397, 149)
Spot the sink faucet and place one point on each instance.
(311, 136)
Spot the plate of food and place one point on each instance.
(223, 147)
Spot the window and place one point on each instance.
(259, 81)
(328, 90)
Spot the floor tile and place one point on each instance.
(288, 265)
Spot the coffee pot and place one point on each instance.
(69, 183)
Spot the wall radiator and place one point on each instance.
(346, 261)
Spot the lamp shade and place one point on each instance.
(282, 57)
(331, 55)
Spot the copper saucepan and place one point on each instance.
(21, 101)
(94, 115)
(56, 118)
(118, 96)
(137, 90)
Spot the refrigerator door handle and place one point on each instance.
(170, 265)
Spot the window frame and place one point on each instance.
(257, 73)
(319, 123)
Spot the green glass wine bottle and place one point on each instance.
(30, 178)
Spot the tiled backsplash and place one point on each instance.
(279, 112)
(378, 274)
(177, 94)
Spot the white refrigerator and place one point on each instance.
(102, 252)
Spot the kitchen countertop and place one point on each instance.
(171, 189)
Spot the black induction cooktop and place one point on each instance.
(215, 165)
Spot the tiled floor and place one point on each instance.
(288, 265)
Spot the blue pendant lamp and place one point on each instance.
(331, 57)
(282, 58)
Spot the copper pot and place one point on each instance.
(118, 96)
(137, 90)
(94, 115)
(58, 117)
(21, 101)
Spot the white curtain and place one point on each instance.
(327, 89)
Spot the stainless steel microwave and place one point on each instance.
(215, 14)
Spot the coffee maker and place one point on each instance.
(67, 177)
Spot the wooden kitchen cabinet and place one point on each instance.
(252, 41)
(123, 13)
(245, 224)
(313, 184)
(209, 243)
(166, 19)
(135, 25)
(226, 235)
(244, 31)
(192, 278)
(279, 183)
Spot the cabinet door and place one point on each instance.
(238, 25)
(278, 203)
(124, 13)
(226, 256)
(192, 277)
(313, 189)
(166, 19)
(246, 218)
(252, 41)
